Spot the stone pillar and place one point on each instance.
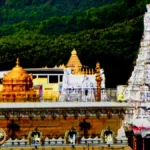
(98, 82)
(143, 144)
(134, 143)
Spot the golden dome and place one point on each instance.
(16, 73)
(74, 52)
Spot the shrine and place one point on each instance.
(85, 84)
(81, 104)
(18, 86)
(69, 104)
(137, 92)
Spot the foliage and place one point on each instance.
(36, 30)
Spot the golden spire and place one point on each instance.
(74, 52)
(92, 71)
(17, 62)
(97, 67)
(74, 62)
(55, 66)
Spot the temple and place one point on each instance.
(137, 92)
(79, 100)
(18, 86)
(70, 103)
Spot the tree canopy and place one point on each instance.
(108, 31)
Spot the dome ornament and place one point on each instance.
(17, 62)
(74, 52)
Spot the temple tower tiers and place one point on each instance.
(18, 86)
(139, 82)
(138, 89)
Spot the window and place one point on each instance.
(42, 76)
(34, 76)
(53, 79)
(61, 78)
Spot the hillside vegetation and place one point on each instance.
(44, 32)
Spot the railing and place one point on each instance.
(60, 141)
(86, 95)
(112, 94)
(78, 95)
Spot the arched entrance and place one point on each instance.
(105, 133)
(71, 136)
(35, 137)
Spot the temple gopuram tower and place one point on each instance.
(138, 91)
(18, 86)
(74, 63)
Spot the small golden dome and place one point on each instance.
(74, 52)
(16, 73)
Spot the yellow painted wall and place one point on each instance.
(39, 81)
(50, 91)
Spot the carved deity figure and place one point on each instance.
(72, 134)
(148, 7)
(107, 136)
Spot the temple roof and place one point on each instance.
(74, 60)
(16, 72)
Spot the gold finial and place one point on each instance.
(74, 52)
(98, 65)
(17, 62)
(63, 66)
(86, 71)
(92, 71)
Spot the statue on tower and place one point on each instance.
(147, 19)
(72, 134)
(148, 7)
